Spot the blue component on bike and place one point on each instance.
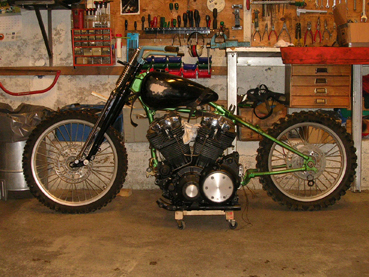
(162, 90)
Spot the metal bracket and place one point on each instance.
(236, 13)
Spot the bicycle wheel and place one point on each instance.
(47, 156)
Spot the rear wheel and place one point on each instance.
(54, 145)
(317, 135)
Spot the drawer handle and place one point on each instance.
(320, 90)
(320, 80)
(321, 101)
(321, 70)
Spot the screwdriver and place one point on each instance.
(190, 18)
(215, 23)
(171, 7)
(174, 22)
(197, 18)
(176, 6)
(207, 21)
(135, 25)
(149, 20)
(179, 20)
(185, 19)
(126, 24)
(143, 22)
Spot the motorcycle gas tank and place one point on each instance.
(162, 90)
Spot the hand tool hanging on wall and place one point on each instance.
(284, 29)
(207, 18)
(298, 38)
(236, 12)
(185, 19)
(143, 22)
(197, 18)
(266, 30)
(364, 18)
(126, 24)
(327, 6)
(190, 18)
(272, 28)
(179, 21)
(317, 32)
(308, 31)
(300, 11)
(215, 15)
(149, 20)
(326, 30)
(256, 25)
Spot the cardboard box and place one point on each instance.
(353, 34)
(350, 34)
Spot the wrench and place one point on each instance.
(327, 6)
(321, 4)
(334, 3)
(317, 4)
(363, 15)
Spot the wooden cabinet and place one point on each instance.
(319, 86)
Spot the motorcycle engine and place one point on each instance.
(201, 178)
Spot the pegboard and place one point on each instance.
(160, 8)
(287, 14)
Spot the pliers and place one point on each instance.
(265, 31)
(326, 29)
(284, 28)
(318, 31)
(308, 31)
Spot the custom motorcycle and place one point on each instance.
(75, 161)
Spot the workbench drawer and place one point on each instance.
(321, 70)
(318, 91)
(320, 102)
(320, 81)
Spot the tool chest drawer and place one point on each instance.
(319, 86)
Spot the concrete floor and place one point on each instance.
(133, 237)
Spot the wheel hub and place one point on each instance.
(317, 155)
(62, 165)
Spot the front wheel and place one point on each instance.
(49, 152)
(319, 136)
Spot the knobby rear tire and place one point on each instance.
(316, 134)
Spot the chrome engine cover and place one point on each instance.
(218, 186)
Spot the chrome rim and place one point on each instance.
(326, 149)
(56, 148)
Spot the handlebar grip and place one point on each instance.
(171, 49)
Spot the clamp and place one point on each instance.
(265, 31)
(284, 28)
(256, 25)
(308, 31)
(318, 31)
(236, 13)
(326, 29)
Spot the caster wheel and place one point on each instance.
(181, 224)
(233, 224)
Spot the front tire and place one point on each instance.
(318, 135)
(50, 149)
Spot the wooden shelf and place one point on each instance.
(81, 70)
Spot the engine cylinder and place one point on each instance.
(165, 134)
(214, 136)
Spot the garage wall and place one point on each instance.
(30, 51)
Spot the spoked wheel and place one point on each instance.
(319, 136)
(47, 158)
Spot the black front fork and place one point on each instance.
(113, 107)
